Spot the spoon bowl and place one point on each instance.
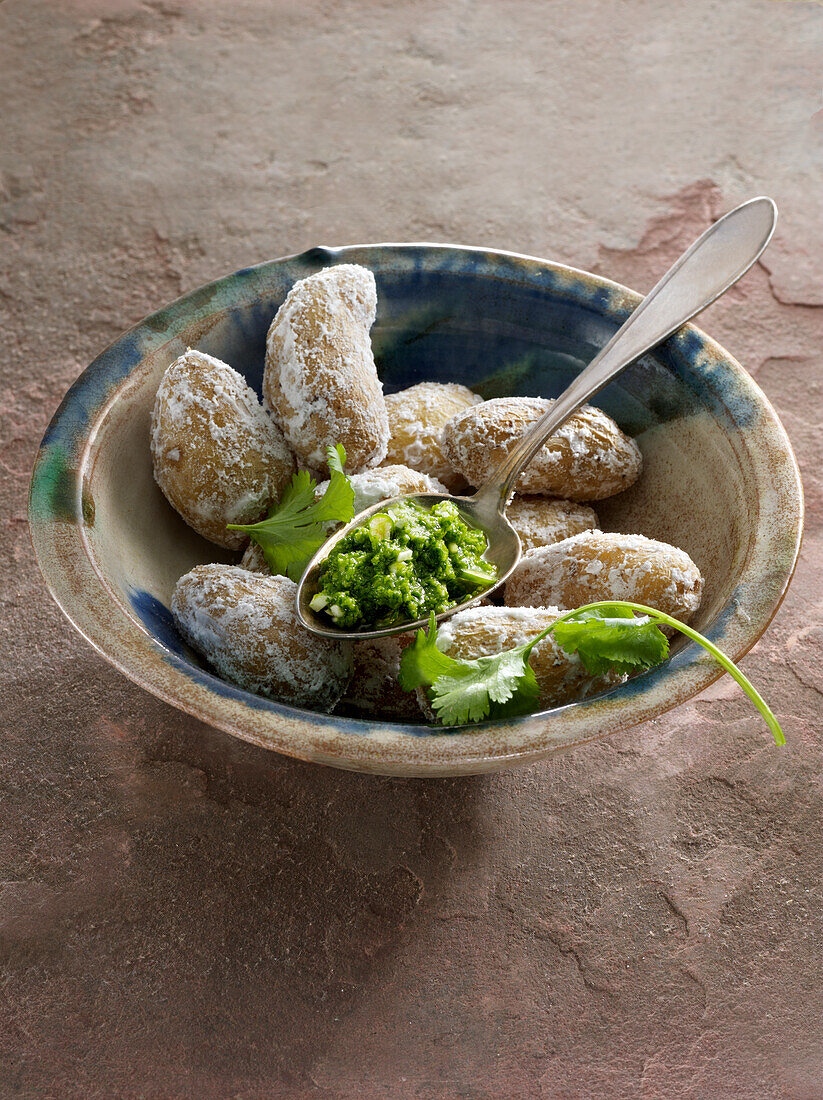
(481, 510)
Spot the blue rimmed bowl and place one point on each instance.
(720, 480)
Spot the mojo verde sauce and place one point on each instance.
(402, 564)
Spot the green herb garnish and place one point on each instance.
(296, 527)
(469, 691)
(607, 635)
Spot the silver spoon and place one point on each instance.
(715, 261)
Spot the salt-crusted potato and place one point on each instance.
(374, 690)
(483, 631)
(372, 486)
(218, 457)
(540, 521)
(246, 626)
(320, 381)
(604, 565)
(589, 458)
(416, 419)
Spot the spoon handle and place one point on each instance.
(715, 261)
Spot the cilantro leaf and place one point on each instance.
(611, 637)
(525, 698)
(422, 662)
(337, 503)
(468, 691)
(297, 526)
(298, 494)
(488, 687)
(336, 458)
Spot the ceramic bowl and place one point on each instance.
(720, 480)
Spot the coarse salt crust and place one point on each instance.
(246, 627)
(540, 521)
(416, 419)
(588, 458)
(217, 455)
(607, 565)
(320, 380)
(484, 631)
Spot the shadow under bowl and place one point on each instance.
(720, 481)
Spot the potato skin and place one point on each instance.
(482, 631)
(320, 381)
(605, 565)
(217, 456)
(374, 691)
(589, 458)
(540, 521)
(417, 416)
(246, 626)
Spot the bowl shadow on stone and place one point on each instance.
(197, 877)
(318, 875)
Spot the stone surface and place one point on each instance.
(184, 915)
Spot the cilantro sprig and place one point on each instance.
(617, 635)
(296, 527)
(469, 691)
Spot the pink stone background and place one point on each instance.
(182, 915)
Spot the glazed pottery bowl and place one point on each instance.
(720, 481)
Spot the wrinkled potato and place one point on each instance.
(320, 381)
(483, 631)
(416, 419)
(604, 565)
(246, 627)
(588, 458)
(218, 457)
(374, 690)
(540, 521)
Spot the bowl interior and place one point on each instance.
(501, 325)
(435, 326)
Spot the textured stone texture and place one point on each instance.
(183, 915)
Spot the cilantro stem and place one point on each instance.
(725, 662)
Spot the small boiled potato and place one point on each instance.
(588, 458)
(374, 690)
(483, 631)
(540, 521)
(605, 565)
(372, 486)
(218, 457)
(320, 380)
(246, 627)
(416, 419)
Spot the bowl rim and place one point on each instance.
(78, 588)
